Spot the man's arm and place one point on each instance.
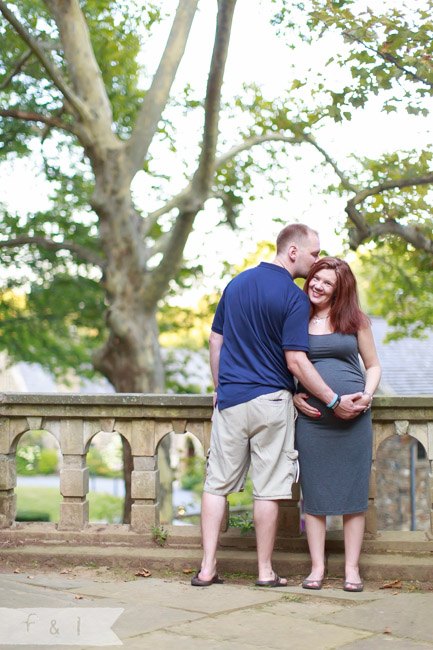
(215, 345)
(302, 368)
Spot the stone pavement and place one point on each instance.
(164, 613)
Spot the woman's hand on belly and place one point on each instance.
(300, 401)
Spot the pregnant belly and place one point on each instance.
(341, 379)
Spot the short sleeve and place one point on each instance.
(295, 326)
(218, 321)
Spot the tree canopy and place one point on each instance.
(78, 93)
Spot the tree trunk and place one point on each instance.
(130, 358)
(118, 362)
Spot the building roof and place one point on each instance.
(407, 364)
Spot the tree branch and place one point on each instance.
(37, 117)
(52, 70)
(160, 245)
(390, 185)
(206, 167)
(389, 58)
(156, 97)
(344, 180)
(228, 207)
(83, 68)
(363, 231)
(253, 142)
(183, 196)
(16, 69)
(175, 202)
(170, 263)
(409, 233)
(85, 253)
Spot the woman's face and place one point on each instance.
(322, 287)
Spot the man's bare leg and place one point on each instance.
(265, 523)
(212, 514)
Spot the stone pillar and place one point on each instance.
(371, 514)
(74, 486)
(74, 476)
(226, 518)
(289, 517)
(8, 498)
(431, 495)
(145, 493)
(429, 448)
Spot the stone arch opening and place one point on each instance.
(402, 484)
(38, 464)
(189, 463)
(106, 485)
(180, 459)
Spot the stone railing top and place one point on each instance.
(139, 405)
(120, 405)
(132, 399)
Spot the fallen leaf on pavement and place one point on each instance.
(186, 570)
(143, 573)
(387, 630)
(79, 597)
(395, 584)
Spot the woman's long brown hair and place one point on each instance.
(346, 316)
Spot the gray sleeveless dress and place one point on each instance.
(335, 454)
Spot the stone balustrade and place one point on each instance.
(144, 420)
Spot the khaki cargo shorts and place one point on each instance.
(260, 432)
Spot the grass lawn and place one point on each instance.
(102, 507)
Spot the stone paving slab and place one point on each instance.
(166, 613)
(387, 642)
(218, 598)
(26, 595)
(262, 629)
(304, 610)
(406, 615)
(59, 581)
(338, 594)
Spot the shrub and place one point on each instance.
(192, 478)
(48, 461)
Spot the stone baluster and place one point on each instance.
(429, 448)
(289, 516)
(11, 430)
(8, 498)
(74, 475)
(144, 436)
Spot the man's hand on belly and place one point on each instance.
(348, 407)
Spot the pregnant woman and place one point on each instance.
(335, 454)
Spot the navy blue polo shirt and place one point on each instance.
(261, 313)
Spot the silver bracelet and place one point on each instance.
(366, 392)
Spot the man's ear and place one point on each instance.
(292, 252)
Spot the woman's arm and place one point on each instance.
(367, 350)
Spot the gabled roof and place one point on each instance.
(407, 364)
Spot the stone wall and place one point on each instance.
(393, 500)
(144, 420)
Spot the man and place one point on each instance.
(259, 340)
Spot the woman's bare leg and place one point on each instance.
(315, 526)
(353, 527)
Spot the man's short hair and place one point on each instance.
(295, 232)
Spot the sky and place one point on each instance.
(256, 55)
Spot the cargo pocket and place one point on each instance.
(294, 470)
